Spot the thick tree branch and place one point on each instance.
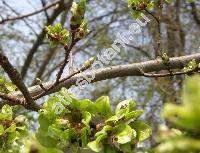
(17, 80)
(118, 71)
(13, 99)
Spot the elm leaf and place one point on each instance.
(7, 111)
(143, 130)
(103, 106)
(124, 133)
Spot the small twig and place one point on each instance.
(53, 69)
(41, 86)
(45, 11)
(30, 14)
(159, 32)
(14, 11)
(84, 67)
(67, 53)
(153, 75)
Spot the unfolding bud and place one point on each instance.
(165, 58)
(89, 62)
(38, 81)
(78, 12)
(82, 31)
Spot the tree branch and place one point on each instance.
(118, 71)
(17, 80)
(13, 99)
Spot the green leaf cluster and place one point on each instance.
(89, 125)
(57, 35)
(11, 129)
(5, 86)
(137, 6)
(122, 129)
(64, 121)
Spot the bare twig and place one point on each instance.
(84, 67)
(159, 32)
(153, 75)
(43, 87)
(30, 14)
(67, 52)
(45, 11)
(14, 11)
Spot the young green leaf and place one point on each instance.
(7, 112)
(78, 12)
(84, 137)
(143, 130)
(124, 134)
(103, 106)
(12, 128)
(96, 145)
(1, 130)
